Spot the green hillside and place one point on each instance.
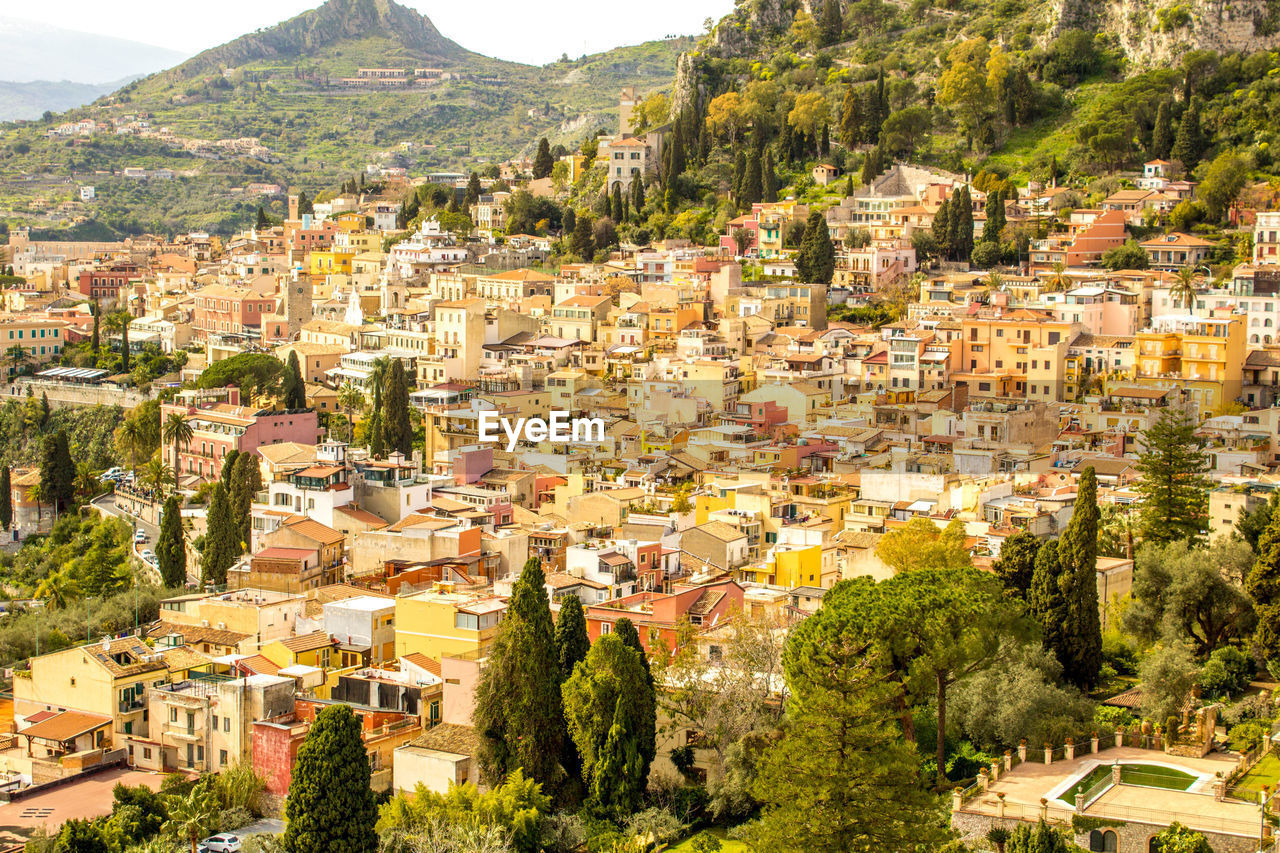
(285, 87)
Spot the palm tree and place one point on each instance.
(156, 475)
(1058, 278)
(191, 816)
(86, 480)
(17, 356)
(35, 493)
(350, 398)
(1183, 291)
(131, 437)
(177, 429)
(999, 837)
(57, 589)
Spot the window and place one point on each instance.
(215, 722)
(605, 628)
(226, 724)
(1102, 841)
(466, 621)
(222, 758)
(173, 715)
(146, 753)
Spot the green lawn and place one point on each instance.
(1265, 772)
(727, 845)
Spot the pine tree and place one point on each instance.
(304, 204)
(397, 429)
(1174, 488)
(769, 178)
(831, 25)
(872, 165)
(1189, 144)
(572, 641)
(221, 540)
(518, 715)
(1263, 587)
(1078, 556)
(816, 259)
(295, 389)
(543, 162)
(609, 711)
(171, 550)
(57, 471)
(1162, 133)
(615, 206)
(6, 498)
(330, 806)
(739, 175)
(995, 218)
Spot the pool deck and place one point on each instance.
(1025, 785)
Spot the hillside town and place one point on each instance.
(371, 401)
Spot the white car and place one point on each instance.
(140, 536)
(148, 555)
(225, 843)
(112, 474)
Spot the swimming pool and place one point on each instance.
(1097, 779)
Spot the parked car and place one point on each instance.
(112, 474)
(225, 843)
(140, 536)
(148, 555)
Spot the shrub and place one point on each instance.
(1245, 736)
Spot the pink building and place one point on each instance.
(229, 310)
(1089, 234)
(1101, 310)
(219, 426)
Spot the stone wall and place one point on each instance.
(62, 394)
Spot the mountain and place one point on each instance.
(334, 23)
(38, 52)
(297, 89)
(30, 100)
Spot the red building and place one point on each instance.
(656, 615)
(227, 310)
(107, 282)
(218, 427)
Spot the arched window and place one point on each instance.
(1253, 339)
(1102, 841)
(1153, 846)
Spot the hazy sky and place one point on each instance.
(520, 31)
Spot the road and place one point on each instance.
(106, 504)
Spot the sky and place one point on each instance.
(506, 29)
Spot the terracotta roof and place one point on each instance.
(313, 529)
(132, 647)
(65, 726)
(420, 660)
(307, 642)
(197, 634)
(361, 515)
(720, 530)
(183, 658)
(706, 602)
(259, 665)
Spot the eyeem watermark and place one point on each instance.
(560, 428)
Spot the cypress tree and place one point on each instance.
(831, 25)
(1078, 554)
(942, 227)
(851, 121)
(572, 641)
(304, 204)
(518, 715)
(293, 386)
(568, 222)
(816, 259)
(95, 342)
(647, 734)
(125, 320)
(769, 177)
(637, 197)
(739, 175)
(473, 189)
(221, 540)
(397, 430)
(263, 220)
(824, 147)
(6, 499)
(57, 471)
(1189, 144)
(543, 162)
(960, 223)
(995, 218)
(1016, 564)
(1047, 602)
(784, 142)
(228, 466)
(583, 241)
(171, 551)
(615, 207)
(753, 180)
(607, 707)
(330, 807)
(882, 102)
(1162, 133)
(1263, 587)
(246, 480)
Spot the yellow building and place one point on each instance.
(334, 261)
(796, 567)
(1202, 356)
(437, 622)
(108, 678)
